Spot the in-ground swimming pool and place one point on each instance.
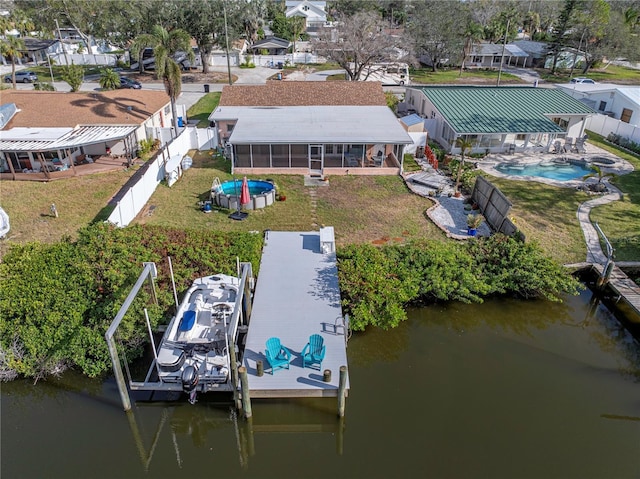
(552, 171)
(261, 193)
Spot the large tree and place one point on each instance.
(357, 43)
(435, 30)
(165, 44)
(561, 30)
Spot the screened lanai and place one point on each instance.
(342, 139)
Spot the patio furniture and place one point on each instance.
(278, 356)
(313, 352)
(379, 159)
(568, 144)
(351, 159)
(557, 147)
(579, 146)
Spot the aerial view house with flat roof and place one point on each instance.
(313, 128)
(621, 102)
(499, 119)
(45, 135)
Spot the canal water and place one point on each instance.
(506, 389)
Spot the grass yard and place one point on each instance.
(620, 221)
(79, 201)
(452, 76)
(608, 74)
(203, 107)
(547, 215)
(362, 209)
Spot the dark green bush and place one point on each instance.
(378, 283)
(58, 300)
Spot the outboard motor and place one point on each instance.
(189, 382)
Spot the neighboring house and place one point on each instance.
(568, 58)
(313, 128)
(537, 52)
(490, 55)
(38, 50)
(218, 57)
(616, 101)
(498, 119)
(270, 46)
(313, 11)
(45, 132)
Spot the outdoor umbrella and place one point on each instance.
(244, 192)
(243, 200)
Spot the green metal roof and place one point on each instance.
(476, 110)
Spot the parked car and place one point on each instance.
(22, 76)
(582, 80)
(129, 83)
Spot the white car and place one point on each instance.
(582, 80)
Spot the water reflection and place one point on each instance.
(502, 389)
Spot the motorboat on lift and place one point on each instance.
(197, 348)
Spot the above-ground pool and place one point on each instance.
(552, 171)
(262, 193)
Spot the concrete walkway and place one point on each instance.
(591, 237)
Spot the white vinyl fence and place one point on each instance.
(107, 59)
(134, 200)
(604, 125)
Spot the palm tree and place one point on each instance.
(12, 48)
(165, 44)
(464, 144)
(472, 34)
(597, 172)
(109, 79)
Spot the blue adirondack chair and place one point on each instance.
(313, 352)
(278, 356)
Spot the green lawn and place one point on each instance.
(362, 209)
(620, 220)
(608, 74)
(452, 76)
(547, 214)
(203, 107)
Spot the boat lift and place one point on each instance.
(241, 315)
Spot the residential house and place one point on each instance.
(314, 128)
(313, 12)
(270, 46)
(45, 135)
(537, 52)
(621, 102)
(491, 55)
(498, 119)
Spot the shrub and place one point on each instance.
(73, 75)
(42, 86)
(378, 283)
(74, 291)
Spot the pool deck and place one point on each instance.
(618, 167)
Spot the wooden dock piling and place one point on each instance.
(246, 399)
(342, 385)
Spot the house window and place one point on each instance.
(167, 109)
(477, 59)
(305, 7)
(230, 127)
(602, 106)
(626, 115)
(496, 59)
(433, 114)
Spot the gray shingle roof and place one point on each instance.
(476, 110)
